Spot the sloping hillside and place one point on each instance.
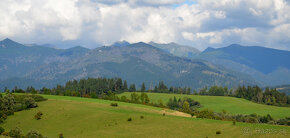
(218, 103)
(17, 60)
(269, 66)
(83, 117)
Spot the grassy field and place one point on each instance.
(82, 117)
(230, 104)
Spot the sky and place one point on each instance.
(196, 23)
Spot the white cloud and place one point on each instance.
(207, 23)
(188, 36)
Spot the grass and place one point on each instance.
(82, 117)
(230, 104)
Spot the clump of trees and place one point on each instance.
(185, 104)
(251, 93)
(18, 133)
(11, 103)
(268, 96)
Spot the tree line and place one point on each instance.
(98, 87)
(95, 87)
(269, 96)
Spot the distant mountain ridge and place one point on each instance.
(137, 63)
(16, 60)
(121, 43)
(267, 65)
(177, 50)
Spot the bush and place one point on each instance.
(130, 119)
(5, 133)
(38, 115)
(38, 98)
(34, 134)
(4, 117)
(2, 130)
(234, 122)
(218, 132)
(124, 99)
(114, 104)
(142, 117)
(60, 135)
(29, 102)
(16, 133)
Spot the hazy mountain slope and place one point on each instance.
(16, 60)
(177, 50)
(121, 43)
(270, 66)
(283, 88)
(136, 63)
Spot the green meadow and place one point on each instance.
(83, 117)
(219, 103)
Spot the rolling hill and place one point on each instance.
(218, 103)
(83, 117)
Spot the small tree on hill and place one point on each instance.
(143, 88)
(132, 88)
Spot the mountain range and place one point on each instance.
(266, 65)
(177, 65)
(40, 66)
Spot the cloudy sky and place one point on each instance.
(198, 23)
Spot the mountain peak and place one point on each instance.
(10, 43)
(209, 49)
(7, 40)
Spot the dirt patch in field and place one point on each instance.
(176, 113)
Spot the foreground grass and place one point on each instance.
(230, 104)
(82, 117)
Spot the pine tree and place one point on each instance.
(125, 86)
(132, 88)
(143, 88)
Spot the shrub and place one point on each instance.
(60, 135)
(218, 132)
(114, 104)
(124, 99)
(5, 133)
(192, 114)
(16, 133)
(4, 117)
(34, 134)
(29, 102)
(38, 115)
(142, 117)
(1, 130)
(234, 122)
(38, 98)
(130, 119)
